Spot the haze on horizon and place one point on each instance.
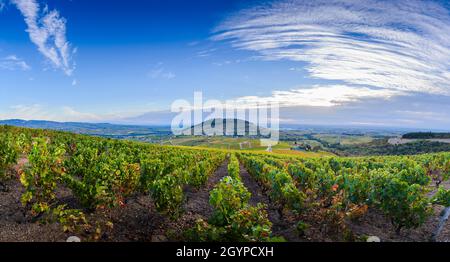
(327, 62)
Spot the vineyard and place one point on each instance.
(55, 184)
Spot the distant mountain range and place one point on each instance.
(239, 128)
(99, 129)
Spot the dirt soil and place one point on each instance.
(16, 225)
(375, 224)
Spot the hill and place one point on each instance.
(230, 127)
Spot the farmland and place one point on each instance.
(55, 185)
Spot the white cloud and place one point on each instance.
(47, 30)
(194, 43)
(61, 114)
(40, 112)
(70, 114)
(379, 48)
(12, 63)
(160, 72)
(2, 5)
(314, 97)
(206, 53)
(317, 96)
(25, 112)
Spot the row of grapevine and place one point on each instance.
(398, 186)
(101, 173)
(105, 174)
(280, 184)
(9, 151)
(234, 219)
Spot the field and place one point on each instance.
(344, 139)
(221, 142)
(54, 185)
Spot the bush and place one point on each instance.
(167, 192)
(406, 205)
(228, 197)
(40, 178)
(9, 153)
(101, 180)
(249, 224)
(233, 167)
(442, 197)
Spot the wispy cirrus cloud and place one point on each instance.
(159, 72)
(317, 96)
(60, 113)
(41, 112)
(13, 63)
(374, 48)
(26, 112)
(47, 30)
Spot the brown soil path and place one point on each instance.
(281, 226)
(197, 201)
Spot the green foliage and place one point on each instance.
(40, 178)
(426, 135)
(9, 153)
(302, 227)
(405, 204)
(203, 231)
(284, 189)
(233, 167)
(229, 196)
(234, 219)
(305, 176)
(249, 224)
(151, 170)
(282, 186)
(442, 197)
(394, 185)
(101, 179)
(199, 175)
(72, 220)
(167, 192)
(381, 147)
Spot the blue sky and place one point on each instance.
(368, 62)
